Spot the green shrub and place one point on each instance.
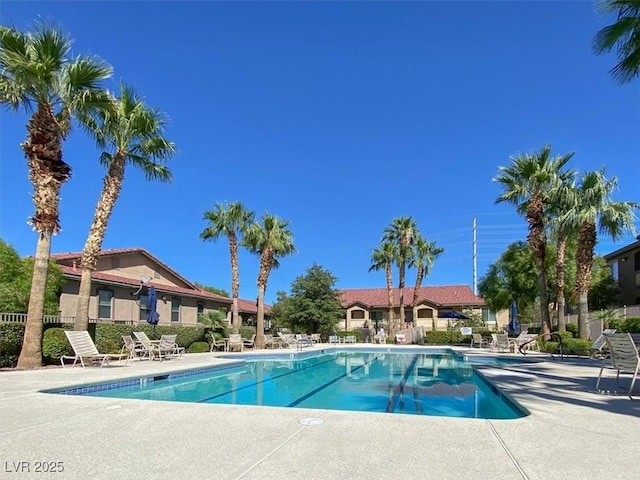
(570, 346)
(628, 325)
(247, 332)
(534, 330)
(444, 338)
(109, 337)
(55, 345)
(11, 335)
(573, 328)
(565, 336)
(198, 347)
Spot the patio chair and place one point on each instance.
(168, 346)
(624, 358)
(271, 342)
(235, 341)
(146, 345)
(287, 340)
(334, 339)
(478, 341)
(85, 350)
(215, 345)
(349, 339)
(500, 342)
(315, 338)
(249, 342)
(600, 344)
(130, 346)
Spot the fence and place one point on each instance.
(22, 318)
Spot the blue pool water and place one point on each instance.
(407, 383)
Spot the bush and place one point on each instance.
(109, 337)
(443, 338)
(247, 332)
(628, 325)
(573, 328)
(565, 336)
(11, 335)
(198, 347)
(55, 345)
(570, 346)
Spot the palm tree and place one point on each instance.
(402, 232)
(230, 220)
(624, 35)
(560, 204)
(592, 210)
(528, 183)
(383, 258)
(270, 240)
(424, 254)
(131, 134)
(37, 73)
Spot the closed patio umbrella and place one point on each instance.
(514, 326)
(153, 304)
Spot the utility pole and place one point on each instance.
(475, 259)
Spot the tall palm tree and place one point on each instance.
(38, 74)
(271, 240)
(424, 255)
(623, 35)
(560, 204)
(593, 209)
(130, 133)
(402, 232)
(229, 220)
(528, 183)
(383, 258)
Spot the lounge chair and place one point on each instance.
(315, 338)
(146, 345)
(600, 344)
(624, 358)
(129, 345)
(168, 346)
(85, 350)
(215, 345)
(334, 339)
(249, 342)
(500, 342)
(349, 339)
(287, 340)
(271, 342)
(477, 340)
(235, 341)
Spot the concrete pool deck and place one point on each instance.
(573, 431)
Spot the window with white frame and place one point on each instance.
(105, 298)
(175, 309)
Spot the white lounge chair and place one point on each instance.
(235, 341)
(215, 345)
(624, 357)
(600, 343)
(146, 345)
(249, 342)
(477, 340)
(85, 350)
(500, 342)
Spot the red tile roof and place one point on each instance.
(447, 296)
(160, 287)
(119, 251)
(249, 306)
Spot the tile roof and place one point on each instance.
(160, 287)
(445, 296)
(249, 306)
(119, 251)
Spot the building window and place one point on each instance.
(636, 262)
(377, 316)
(200, 306)
(144, 307)
(614, 270)
(104, 303)
(488, 316)
(425, 313)
(357, 315)
(175, 309)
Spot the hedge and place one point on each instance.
(199, 347)
(108, 339)
(444, 338)
(628, 325)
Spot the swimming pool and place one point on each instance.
(418, 383)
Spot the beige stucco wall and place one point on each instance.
(126, 307)
(136, 265)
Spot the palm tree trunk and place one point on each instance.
(584, 262)
(392, 330)
(538, 242)
(561, 247)
(260, 318)
(47, 172)
(111, 187)
(235, 281)
(31, 353)
(401, 287)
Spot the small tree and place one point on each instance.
(314, 304)
(215, 321)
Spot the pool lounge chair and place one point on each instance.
(146, 345)
(129, 345)
(85, 350)
(599, 345)
(500, 342)
(215, 345)
(477, 340)
(624, 358)
(235, 342)
(168, 346)
(249, 342)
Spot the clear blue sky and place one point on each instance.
(337, 117)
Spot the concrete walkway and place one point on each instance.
(573, 432)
